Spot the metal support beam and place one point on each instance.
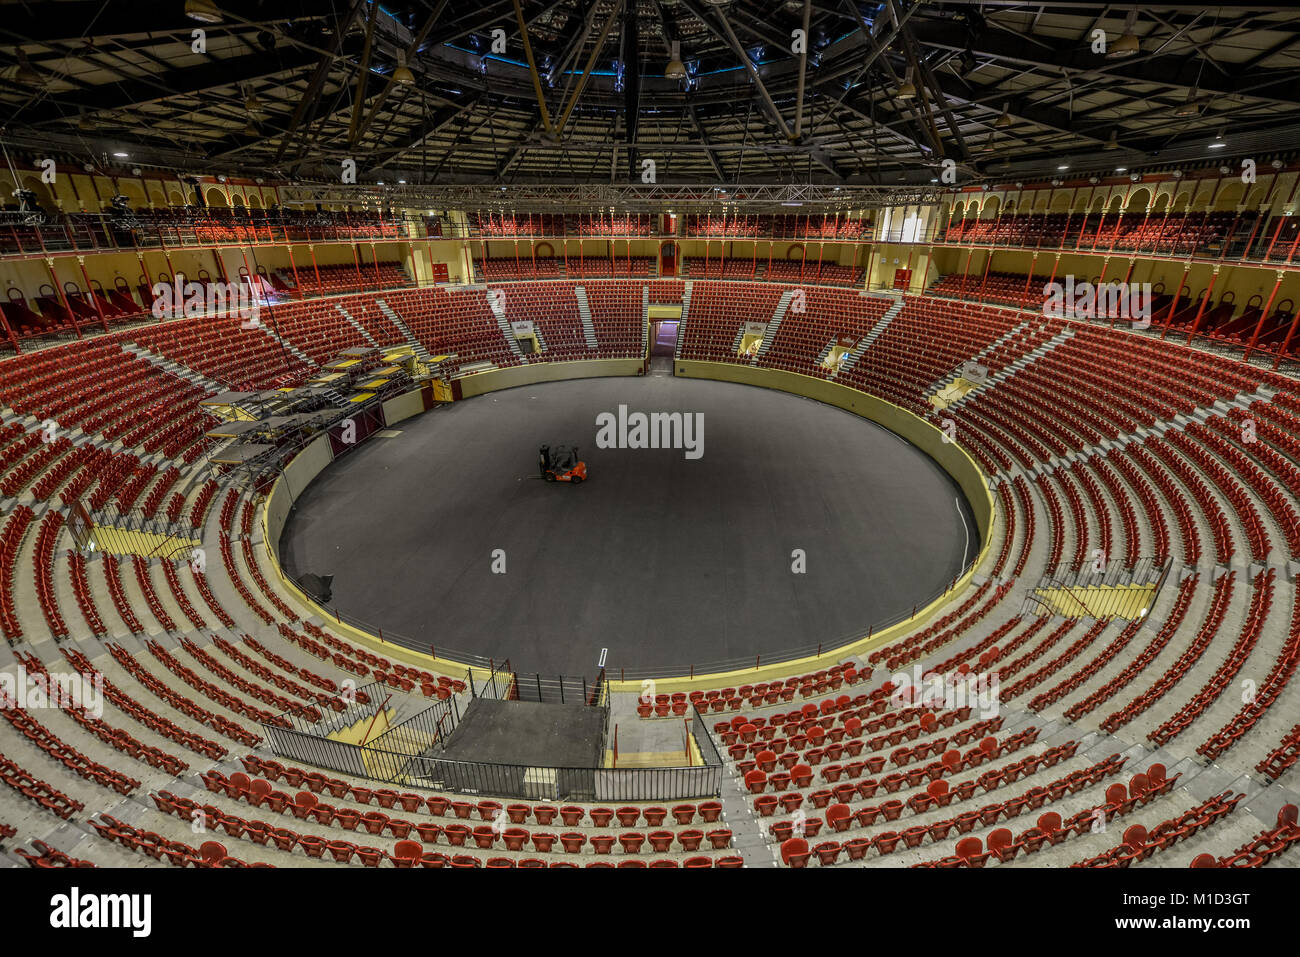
(532, 69)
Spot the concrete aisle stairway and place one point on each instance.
(584, 313)
(1005, 373)
(881, 325)
(498, 307)
(280, 340)
(681, 324)
(356, 325)
(416, 345)
(773, 325)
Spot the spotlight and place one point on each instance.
(676, 69)
(1127, 44)
(27, 74)
(907, 89)
(1003, 121)
(1190, 106)
(204, 11)
(403, 74)
(1113, 142)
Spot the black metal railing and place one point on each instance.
(504, 684)
(524, 782)
(704, 739)
(410, 754)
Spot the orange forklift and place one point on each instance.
(561, 464)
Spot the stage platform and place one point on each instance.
(528, 733)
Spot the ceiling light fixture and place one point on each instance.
(676, 69)
(1112, 143)
(907, 89)
(1190, 106)
(27, 74)
(1126, 44)
(403, 74)
(1003, 121)
(204, 11)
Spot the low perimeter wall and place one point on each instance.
(963, 469)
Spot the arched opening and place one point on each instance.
(1138, 200)
(1230, 196)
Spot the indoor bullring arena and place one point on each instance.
(707, 434)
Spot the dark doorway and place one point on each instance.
(668, 259)
(663, 342)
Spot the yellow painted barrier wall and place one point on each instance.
(949, 456)
(483, 382)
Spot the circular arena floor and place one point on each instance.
(665, 561)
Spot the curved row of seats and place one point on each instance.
(1092, 387)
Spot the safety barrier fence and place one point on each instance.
(409, 755)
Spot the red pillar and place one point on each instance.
(1051, 279)
(1286, 343)
(63, 294)
(314, 267)
(1174, 304)
(9, 333)
(961, 294)
(988, 263)
(1028, 279)
(1205, 302)
(356, 261)
(1263, 316)
(81, 262)
(1250, 241)
(293, 267)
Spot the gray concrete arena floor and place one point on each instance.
(665, 561)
